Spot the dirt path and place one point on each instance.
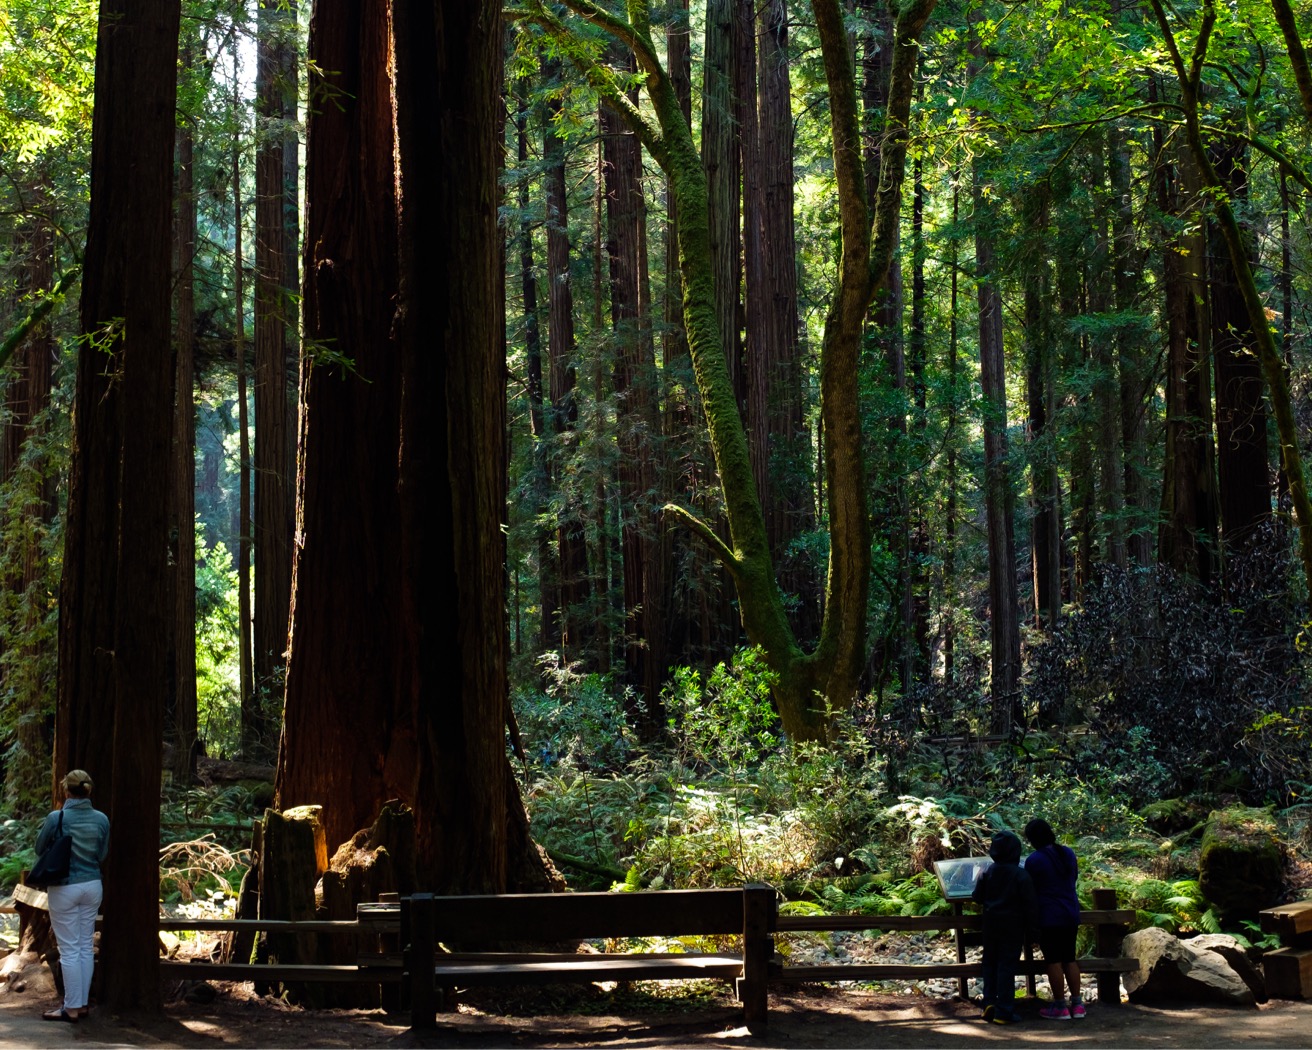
(800, 1018)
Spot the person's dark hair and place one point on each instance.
(1040, 833)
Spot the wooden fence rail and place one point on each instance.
(425, 925)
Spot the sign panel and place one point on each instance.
(957, 875)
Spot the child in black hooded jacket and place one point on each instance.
(1010, 910)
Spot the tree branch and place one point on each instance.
(718, 547)
(37, 315)
(598, 75)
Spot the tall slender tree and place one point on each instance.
(275, 309)
(182, 492)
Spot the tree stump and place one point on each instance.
(237, 945)
(1241, 862)
(293, 857)
(376, 861)
(35, 935)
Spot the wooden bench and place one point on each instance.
(430, 925)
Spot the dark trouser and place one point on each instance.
(1001, 959)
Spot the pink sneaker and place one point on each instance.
(1055, 1012)
(1077, 1010)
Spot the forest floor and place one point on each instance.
(799, 1017)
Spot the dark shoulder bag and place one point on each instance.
(52, 866)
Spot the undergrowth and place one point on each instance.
(724, 799)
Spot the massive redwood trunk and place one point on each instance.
(402, 454)
(115, 600)
(344, 614)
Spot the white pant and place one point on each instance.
(73, 916)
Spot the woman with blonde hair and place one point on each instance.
(75, 901)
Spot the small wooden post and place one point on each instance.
(417, 934)
(753, 985)
(963, 983)
(393, 995)
(1108, 946)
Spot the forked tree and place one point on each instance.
(808, 683)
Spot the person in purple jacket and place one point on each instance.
(1052, 868)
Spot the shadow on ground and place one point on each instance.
(804, 1017)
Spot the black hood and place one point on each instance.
(1006, 848)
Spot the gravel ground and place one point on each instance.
(912, 948)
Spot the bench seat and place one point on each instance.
(180, 970)
(500, 968)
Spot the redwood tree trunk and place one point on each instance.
(29, 508)
(427, 395)
(115, 599)
(637, 425)
(183, 492)
(1004, 612)
(275, 325)
(1046, 528)
(781, 450)
(571, 540)
(1106, 386)
(721, 157)
(1242, 455)
(345, 617)
(1187, 538)
(452, 484)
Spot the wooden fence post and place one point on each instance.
(758, 947)
(418, 937)
(1108, 946)
(959, 936)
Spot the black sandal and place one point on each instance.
(59, 1015)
